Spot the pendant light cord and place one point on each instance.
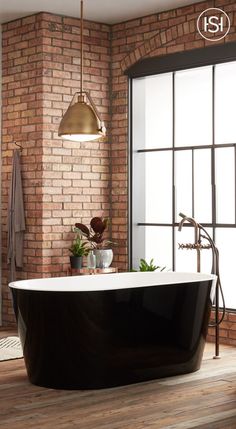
(81, 46)
(81, 122)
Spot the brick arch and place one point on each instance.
(176, 35)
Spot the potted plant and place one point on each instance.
(95, 235)
(78, 250)
(145, 266)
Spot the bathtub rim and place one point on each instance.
(105, 282)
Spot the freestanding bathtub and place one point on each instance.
(100, 331)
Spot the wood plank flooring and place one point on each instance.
(203, 400)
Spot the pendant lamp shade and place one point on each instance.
(81, 122)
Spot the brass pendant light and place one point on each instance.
(81, 122)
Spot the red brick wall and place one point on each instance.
(22, 122)
(227, 329)
(75, 175)
(63, 182)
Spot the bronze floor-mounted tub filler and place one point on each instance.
(200, 234)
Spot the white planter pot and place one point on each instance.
(104, 257)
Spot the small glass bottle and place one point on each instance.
(91, 260)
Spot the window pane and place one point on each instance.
(183, 183)
(225, 239)
(152, 111)
(225, 185)
(193, 107)
(158, 245)
(139, 109)
(225, 96)
(186, 260)
(153, 242)
(158, 187)
(206, 255)
(159, 111)
(138, 191)
(138, 244)
(202, 186)
(152, 187)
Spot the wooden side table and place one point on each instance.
(83, 271)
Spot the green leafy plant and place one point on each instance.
(79, 248)
(95, 234)
(145, 266)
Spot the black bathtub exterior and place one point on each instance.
(107, 338)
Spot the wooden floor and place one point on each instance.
(203, 400)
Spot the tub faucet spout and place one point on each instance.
(194, 223)
(197, 240)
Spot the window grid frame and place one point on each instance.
(213, 147)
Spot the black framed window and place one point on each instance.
(183, 158)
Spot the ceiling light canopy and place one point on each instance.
(81, 122)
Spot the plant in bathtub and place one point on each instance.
(78, 250)
(95, 235)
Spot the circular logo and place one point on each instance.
(213, 24)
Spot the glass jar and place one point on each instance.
(91, 260)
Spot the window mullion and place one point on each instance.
(173, 173)
(193, 208)
(235, 185)
(213, 172)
